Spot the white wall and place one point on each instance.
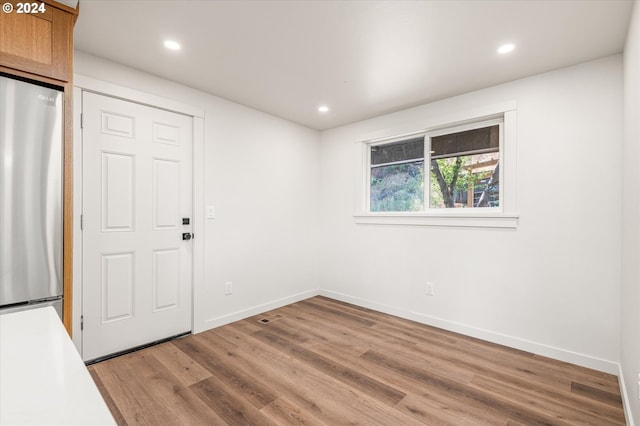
(551, 286)
(261, 173)
(630, 358)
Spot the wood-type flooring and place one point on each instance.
(325, 362)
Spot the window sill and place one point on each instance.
(463, 219)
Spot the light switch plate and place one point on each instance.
(211, 212)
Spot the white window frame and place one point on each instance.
(504, 216)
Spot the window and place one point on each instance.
(397, 176)
(455, 169)
(464, 170)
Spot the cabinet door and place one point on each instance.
(37, 42)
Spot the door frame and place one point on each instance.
(87, 84)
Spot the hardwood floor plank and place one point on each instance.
(325, 362)
(293, 334)
(346, 375)
(298, 335)
(182, 366)
(557, 410)
(307, 389)
(518, 384)
(346, 330)
(599, 376)
(284, 412)
(457, 390)
(427, 404)
(232, 407)
(117, 415)
(147, 393)
(507, 370)
(429, 409)
(596, 394)
(361, 311)
(133, 399)
(227, 371)
(595, 379)
(319, 394)
(308, 324)
(421, 333)
(490, 360)
(180, 405)
(337, 313)
(408, 355)
(514, 423)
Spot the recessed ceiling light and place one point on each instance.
(506, 48)
(172, 45)
(323, 108)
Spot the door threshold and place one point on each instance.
(136, 349)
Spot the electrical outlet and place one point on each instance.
(227, 288)
(430, 288)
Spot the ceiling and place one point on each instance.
(360, 58)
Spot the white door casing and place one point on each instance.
(137, 188)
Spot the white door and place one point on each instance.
(137, 188)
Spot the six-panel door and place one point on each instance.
(137, 188)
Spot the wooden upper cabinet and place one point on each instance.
(38, 42)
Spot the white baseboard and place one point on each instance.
(583, 360)
(254, 310)
(625, 397)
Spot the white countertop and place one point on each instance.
(43, 380)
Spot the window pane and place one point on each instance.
(485, 139)
(465, 181)
(412, 149)
(465, 169)
(397, 187)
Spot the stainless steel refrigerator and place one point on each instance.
(31, 164)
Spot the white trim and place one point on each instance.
(626, 404)
(508, 166)
(453, 219)
(587, 361)
(258, 309)
(120, 92)
(199, 214)
(76, 265)
(435, 122)
(84, 83)
(362, 160)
